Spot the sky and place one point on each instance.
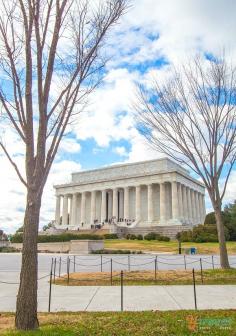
(153, 35)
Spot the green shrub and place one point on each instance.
(133, 237)
(64, 237)
(201, 234)
(164, 238)
(156, 236)
(228, 218)
(139, 237)
(116, 252)
(7, 249)
(110, 236)
(16, 238)
(210, 218)
(152, 236)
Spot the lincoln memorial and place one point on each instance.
(156, 193)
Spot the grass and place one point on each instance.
(173, 277)
(176, 323)
(172, 246)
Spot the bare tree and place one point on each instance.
(191, 117)
(51, 58)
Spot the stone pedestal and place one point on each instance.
(85, 246)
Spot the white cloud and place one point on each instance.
(70, 146)
(120, 150)
(109, 116)
(183, 27)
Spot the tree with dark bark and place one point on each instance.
(191, 117)
(51, 59)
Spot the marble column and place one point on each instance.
(175, 208)
(65, 211)
(138, 203)
(83, 207)
(150, 203)
(189, 205)
(115, 203)
(203, 207)
(185, 203)
(126, 203)
(103, 206)
(121, 210)
(180, 200)
(58, 210)
(110, 206)
(193, 206)
(70, 211)
(73, 220)
(162, 202)
(198, 208)
(93, 207)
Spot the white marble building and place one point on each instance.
(136, 195)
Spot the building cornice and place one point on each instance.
(126, 171)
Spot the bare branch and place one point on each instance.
(13, 164)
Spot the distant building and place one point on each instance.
(134, 197)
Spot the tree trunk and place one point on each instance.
(26, 305)
(224, 261)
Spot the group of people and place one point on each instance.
(97, 225)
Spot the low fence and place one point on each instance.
(121, 277)
(73, 264)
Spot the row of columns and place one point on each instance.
(187, 205)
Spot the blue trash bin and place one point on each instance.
(193, 250)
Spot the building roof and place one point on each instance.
(128, 170)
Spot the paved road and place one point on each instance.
(10, 263)
(99, 298)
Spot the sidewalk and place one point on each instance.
(136, 298)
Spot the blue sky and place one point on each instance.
(153, 35)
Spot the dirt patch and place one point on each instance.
(132, 277)
(6, 321)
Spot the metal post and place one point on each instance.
(122, 292)
(129, 263)
(50, 287)
(201, 270)
(101, 262)
(59, 267)
(180, 249)
(194, 290)
(111, 271)
(212, 259)
(68, 270)
(156, 268)
(54, 270)
(74, 263)
(185, 265)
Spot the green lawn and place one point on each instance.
(176, 323)
(147, 278)
(172, 246)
